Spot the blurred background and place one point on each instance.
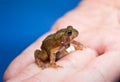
(23, 21)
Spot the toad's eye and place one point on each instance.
(69, 33)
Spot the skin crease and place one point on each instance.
(99, 30)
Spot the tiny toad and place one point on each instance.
(54, 47)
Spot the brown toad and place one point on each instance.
(54, 47)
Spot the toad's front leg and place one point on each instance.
(77, 45)
(53, 58)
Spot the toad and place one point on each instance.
(54, 47)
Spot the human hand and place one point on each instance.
(98, 25)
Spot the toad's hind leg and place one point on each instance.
(40, 58)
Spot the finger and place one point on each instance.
(105, 68)
(71, 64)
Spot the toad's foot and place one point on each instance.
(79, 47)
(54, 65)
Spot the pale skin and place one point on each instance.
(98, 23)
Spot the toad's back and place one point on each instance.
(50, 42)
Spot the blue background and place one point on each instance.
(23, 21)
